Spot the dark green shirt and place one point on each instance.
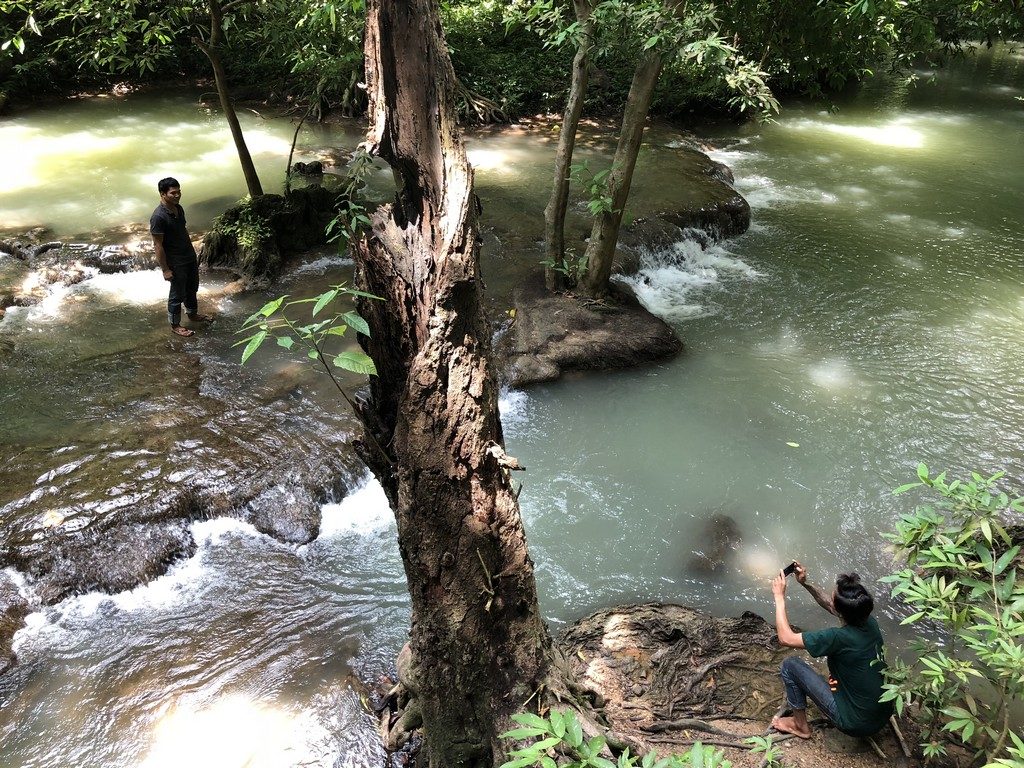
(177, 244)
(852, 653)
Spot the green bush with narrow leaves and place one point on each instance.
(962, 581)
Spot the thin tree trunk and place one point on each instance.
(554, 213)
(479, 647)
(605, 233)
(212, 51)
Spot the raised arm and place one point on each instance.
(825, 601)
(787, 636)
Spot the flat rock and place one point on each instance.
(558, 333)
(110, 560)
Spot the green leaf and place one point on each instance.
(922, 472)
(1005, 560)
(272, 306)
(253, 345)
(557, 723)
(357, 362)
(356, 321)
(323, 300)
(285, 341)
(522, 733)
(531, 720)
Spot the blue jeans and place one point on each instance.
(801, 681)
(184, 287)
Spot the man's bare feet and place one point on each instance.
(790, 725)
(177, 330)
(198, 318)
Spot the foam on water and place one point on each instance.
(142, 288)
(670, 279)
(514, 407)
(321, 265)
(363, 512)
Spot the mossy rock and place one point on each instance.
(255, 238)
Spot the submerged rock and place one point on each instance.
(556, 333)
(288, 513)
(13, 609)
(111, 560)
(719, 539)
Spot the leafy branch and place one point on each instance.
(273, 321)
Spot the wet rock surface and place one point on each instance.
(107, 560)
(112, 510)
(557, 333)
(13, 609)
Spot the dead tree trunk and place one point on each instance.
(212, 51)
(479, 647)
(605, 233)
(554, 212)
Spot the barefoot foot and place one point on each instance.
(198, 318)
(788, 725)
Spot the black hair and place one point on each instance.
(165, 184)
(852, 600)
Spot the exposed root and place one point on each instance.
(473, 106)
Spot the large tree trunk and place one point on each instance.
(605, 233)
(479, 647)
(212, 51)
(554, 213)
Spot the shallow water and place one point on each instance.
(872, 318)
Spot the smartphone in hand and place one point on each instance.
(789, 569)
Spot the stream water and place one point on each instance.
(872, 318)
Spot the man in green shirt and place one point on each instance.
(849, 698)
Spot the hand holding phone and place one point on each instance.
(789, 568)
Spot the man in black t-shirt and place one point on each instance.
(177, 256)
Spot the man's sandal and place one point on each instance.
(177, 330)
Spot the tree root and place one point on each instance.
(472, 104)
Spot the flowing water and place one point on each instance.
(872, 318)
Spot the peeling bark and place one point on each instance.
(478, 646)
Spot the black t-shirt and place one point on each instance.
(177, 245)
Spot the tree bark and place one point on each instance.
(605, 233)
(479, 647)
(212, 51)
(554, 212)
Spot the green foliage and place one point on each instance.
(247, 224)
(504, 61)
(561, 732)
(771, 753)
(353, 215)
(962, 577)
(273, 321)
(595, 187)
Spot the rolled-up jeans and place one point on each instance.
(801, 681)
(184, 287)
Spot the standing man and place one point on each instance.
(177, 257)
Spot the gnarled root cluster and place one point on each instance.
(652, 676)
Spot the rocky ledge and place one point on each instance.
(554, 333)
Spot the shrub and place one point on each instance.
(961, 579)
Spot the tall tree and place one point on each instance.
(558, 202)
(212, 47)
(479, 646)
